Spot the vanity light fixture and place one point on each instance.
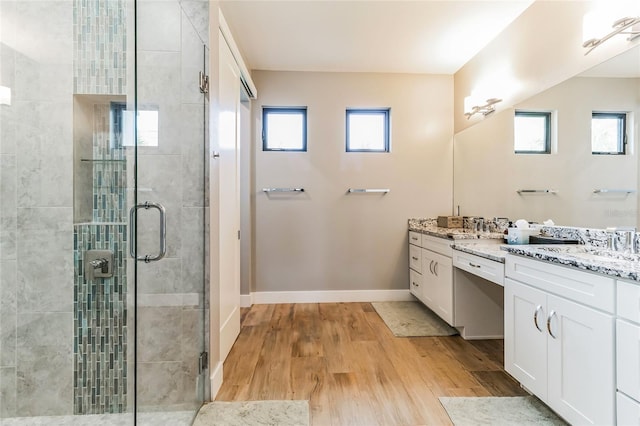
(621, 26)
(486, 109)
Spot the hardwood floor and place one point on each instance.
(345, 361)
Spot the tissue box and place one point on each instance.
(450, 221)
(518, 236)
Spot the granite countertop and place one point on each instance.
(455, 233)
(588, 258)
(489, 249)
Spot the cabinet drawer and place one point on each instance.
(628, 411)
(629, 301)
(590, 289)
(415, 283)
(415, 258)
(415, 238)
(627, 356)
(488, 269)
(438, 245)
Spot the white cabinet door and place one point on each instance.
(581, 362)
(628, 411)
(437, 284)
(443, 287)
(628, 358)
(428, 279)
(525, 336)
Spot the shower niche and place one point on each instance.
(100, 158)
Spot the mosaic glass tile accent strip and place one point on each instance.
(99, 47)
(100, 324)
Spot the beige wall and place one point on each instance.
(324, 239)
(488, 173)
(540, 49)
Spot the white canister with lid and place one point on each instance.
(518, 236)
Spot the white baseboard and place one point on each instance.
(246, 300)
(330, 296)
(216, 380)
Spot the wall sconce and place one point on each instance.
(485, 109)
(620, 26)
(5, 95)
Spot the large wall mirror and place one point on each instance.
(570, 185)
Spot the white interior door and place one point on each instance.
(229, 95)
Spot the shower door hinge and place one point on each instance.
(203, 82)
(203, 362)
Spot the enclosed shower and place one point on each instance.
(103, 211)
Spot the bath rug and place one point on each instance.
(412, 319)
(500, 411)
(254, 413)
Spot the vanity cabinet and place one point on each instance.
(431, 273)
(559, 348)
(415, 264)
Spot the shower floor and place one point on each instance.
(173, 418)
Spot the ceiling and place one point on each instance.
(393, 36)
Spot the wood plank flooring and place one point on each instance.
(345, 361)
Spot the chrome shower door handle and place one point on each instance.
(163, 231)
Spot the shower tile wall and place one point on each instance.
(36, 209)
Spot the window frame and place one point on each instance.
(386, 112)
(547, 116)
(622, 131)
(266, 110)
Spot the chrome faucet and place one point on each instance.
(622, 239)
(100, 265)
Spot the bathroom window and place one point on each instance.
(608, 133)
(284, 129)
(368, 130)
(532, 132)
(122, 121)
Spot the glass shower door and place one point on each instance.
(101, 112)
(168, 210)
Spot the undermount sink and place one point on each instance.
(592, 253)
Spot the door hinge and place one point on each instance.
(238, 234)
(203, 82)
(203, 362)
